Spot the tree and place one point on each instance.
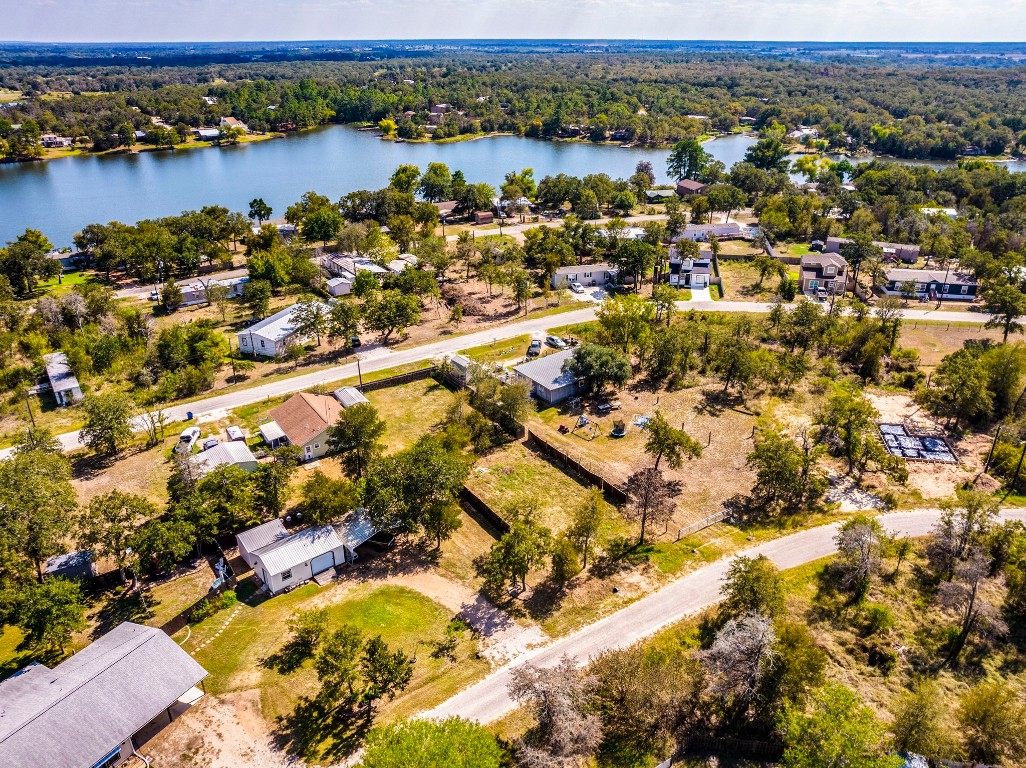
(337, 664)
(387, 126)
(272, 480)
(1006, 303)
(392, 312)
(846, 422)
(991, 715)
(740, 656)
(599, 366)
(565, 564)
(418, 743)
(326, 500)
(436, 183)
(524, 547)
(962, 596)
(687, 160)
(918, 725)
(858, 249)
(634, 258)
(586, 522)
(859, 541)
(839, 730)
(726, 198)
(625, 321)
(49, 613)
(256, 295)
(308, 627)
(665, 441)
(218, 295)
(387, 672)
(752, 586)
(787, 474)
(25, 262)
(962, 388)
(225, 502)
(664, 297)
(769, 154)
(405, 178)
(108, 425)
(964, 525)
(566, 732)
(651, 499)
(322, 225)
(344, 319)
(109, 524)
(161, 544)
(310, 318)
(170, 296)
(259, 210)
(356, 438)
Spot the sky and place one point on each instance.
(215, 20)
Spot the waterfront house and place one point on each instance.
(65, 386)
(232, 122)
(304, 420)
(207, 134)
(690, 188)
(823, 272)
(586, 274)
(271, 336)
(100, 706)
(549, 382)
(932, 283)
(53, 141)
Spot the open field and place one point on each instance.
(410, 411)
(933, 341)
(499, 352)
(740, 282)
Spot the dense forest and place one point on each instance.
(889, 104)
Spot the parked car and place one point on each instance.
(576, 287)
(210, 442)
(154, 296)
(555, 342)
(235, 433)
(354, 342)
(821, 294)
(187, 439)
(535, 349)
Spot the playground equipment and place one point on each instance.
(619, 428)
(589, 428)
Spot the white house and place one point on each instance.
(304, 420)
(587, 274)
(66, 389)
(340, 286)
(272, 335)
(282, 560)
(233, 122)
(549, 382)
(100, 706)
(233, 453)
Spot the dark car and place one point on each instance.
(535, 349)
(354, 342)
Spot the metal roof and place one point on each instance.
(222, 454)
(349, 396)
(279, 325)
(355, 528)
(262, 535)
(59, 372)
(300, 547)
(73, 715)
(270, 432)
(548, 371)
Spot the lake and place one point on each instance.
(61, 196)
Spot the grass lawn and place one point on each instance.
(246, 654)
(7, 96)
(499, 351)
(410, 411)
(933, 341)
(513, 475)
(792, 249)
(740, 282)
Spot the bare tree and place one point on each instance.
(566, 736)
(962, 596)
(739, 657)
(651, 498)
(964, 521)
(155, 424)
(859, 543)
(75, 308)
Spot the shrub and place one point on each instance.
(206, 608)
(878, 618)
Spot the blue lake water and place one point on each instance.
(61, 196)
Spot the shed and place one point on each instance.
(72, 565)
(272, 434)
(461, 365)
(549, 382)
(349, 396)
(66, 389)
(235, 453)
(339, 286)
(254, 539)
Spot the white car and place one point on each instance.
(576, 287)
(187, 439)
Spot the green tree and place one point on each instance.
(337, 664)
(344, 319)
(687, 160)
(108, 425)
(49, 613)
(586, 522)
(218, 295)
(838, 730)
(326, 500)
(418, 743)
(1006, 304)
(259, 210)
(651, 499)
(322, 225)
(752, 585)
(109, 523)
(961, 389)
(599, 366)
(356, 438)
(625, 321)
(257, 296)
(436, 183)
(310, 318)
(521, 549)
(919, 721)
(387, 672)
(991, 715)
(162, 544)
(769, 154)
(392, 312)
(666, 441)
(786, 473)
(308, 627)
(225, 501)
(565, 564)
(405, 178)
(170, 296)
(272, 481)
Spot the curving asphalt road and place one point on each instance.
(488, 700)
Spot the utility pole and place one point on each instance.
(1015, 478)
(28, 404)
(359, 372)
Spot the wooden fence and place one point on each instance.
(402, 378)
(481, 507)
(615, 492)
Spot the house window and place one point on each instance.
(946, 288)
(110, 759)
(965, 290)
(830, 271)
(920, 287)
(261, 343)
(317, 445)
(587, 274)
(286, 575)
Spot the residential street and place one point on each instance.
(375, 357)
(488, 700)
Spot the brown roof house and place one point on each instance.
(304, 419)
(823, 274)
(689, 187)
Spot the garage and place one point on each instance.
(700, 281)
(322, 563)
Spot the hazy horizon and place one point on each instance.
(839, 21)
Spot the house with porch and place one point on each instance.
(934, 284)
(823, 273)
(585, 274)
(98, 708)
(304, 420)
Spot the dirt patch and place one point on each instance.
(143, 471)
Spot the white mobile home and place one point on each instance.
(272, 335)
(66, 389)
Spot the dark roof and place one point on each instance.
(820, 260)
(951, 277)
(691, 185)
(74, 714)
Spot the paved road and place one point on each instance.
(488, 700)
(376, 357)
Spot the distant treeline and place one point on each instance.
(929, 111)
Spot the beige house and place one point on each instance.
(304, 419)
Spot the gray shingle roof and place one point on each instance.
(73, 715)
(548, 371)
